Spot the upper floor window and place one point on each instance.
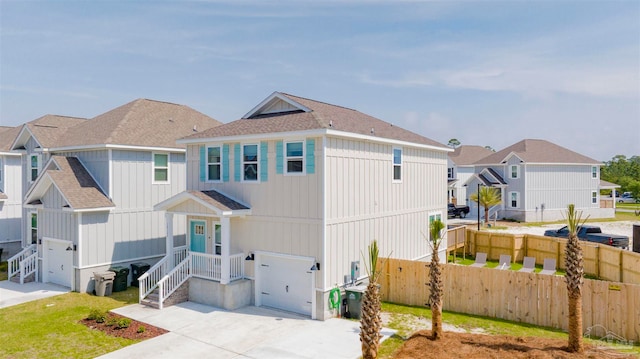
(295, 157)
(514, 199)
(450, 172)
(33, 228)
(514, 172)
(594, 197)
(161, 167)
(397, 164)
(250, 162)
(214, 164)
(594, 172)
(34, 166)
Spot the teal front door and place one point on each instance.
(198, 237)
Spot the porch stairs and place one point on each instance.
(23, 267)
(152, 299)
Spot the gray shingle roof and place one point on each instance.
(321, 116)
(468, 154)
(218, 200)
(538, 151)
(142, 122)
(7, 136)
(49, 129)
(76, 184)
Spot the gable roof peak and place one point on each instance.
(537, 151)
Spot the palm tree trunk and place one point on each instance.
(436, 321)
(486, 215)
(575, 323)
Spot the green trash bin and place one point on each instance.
(354, 300)
(138, 269)
(120, 280)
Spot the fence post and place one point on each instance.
(558, 256)
(597, 261)
(621, 266)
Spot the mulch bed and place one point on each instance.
(482, 346)
(134, 331)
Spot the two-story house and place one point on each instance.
(537, 179)
(282, 204)
(460, 167)
(91, 186)
(10, 194)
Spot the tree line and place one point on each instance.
(623, 171)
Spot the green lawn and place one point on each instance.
(407, 319)
(49, 328)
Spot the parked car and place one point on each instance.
(457, 211)
(627, 198)
(592, 234)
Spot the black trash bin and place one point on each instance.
(138, 269)
(120, 280)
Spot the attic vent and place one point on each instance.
(373, 132)
(195, 128)
(331, 123)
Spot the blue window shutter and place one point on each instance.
(203, 164)
(264, 168)
(311, 164)
(236, 162)
(225, 162)
(279, 167)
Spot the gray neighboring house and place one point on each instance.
(90, 187)
(293, 193)
(460, 167)
(10, 194)
(538, 179)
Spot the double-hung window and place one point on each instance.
(33, 228)
(450, 173)
(594, 197)
(161, 167)
(594, 172)
(34, 166)
(514, 173)
(214, 164)
(294, 152)
(397, 164)
(514, 199)
(250, 162)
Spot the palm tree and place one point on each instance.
(489, 197)
(435, 279)
(574, 277)
(370, 322)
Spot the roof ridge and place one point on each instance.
(316, 101)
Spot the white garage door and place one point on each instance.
(286, 283)
(59, 263)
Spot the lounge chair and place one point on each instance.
(528, 265)
(549, 266)
(481, 260)
(505, 261)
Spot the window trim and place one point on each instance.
(517, 168)
(30, 227)
(286, 158)
(214, 244)
(594, 172)
(243, 163)
(394, 164)
(37, 168)
(594, 197)
(432, 216)
(207, 164)
(450, 173)
(517, 194)
(154, 167)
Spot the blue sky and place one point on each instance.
(486, 73)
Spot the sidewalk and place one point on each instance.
(14, 293)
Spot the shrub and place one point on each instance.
(141, 329)
(123, 323)
(98, 315)
(112, 321)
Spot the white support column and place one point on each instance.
(225, 270)
(168, 217)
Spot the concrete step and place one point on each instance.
(150, 303)
(30, 278)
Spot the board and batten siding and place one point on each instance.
(11, 208)
(286, 210)
(558, 185)
(363, 202)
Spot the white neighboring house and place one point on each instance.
(10, 194)
(91, 186)
(538, 179)
(460, 168)
(282, 204)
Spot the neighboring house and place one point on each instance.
(538, 179)
(460, 168)
(10, 194)
(293, 193)
(91, 186)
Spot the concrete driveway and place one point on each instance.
(15, 293)
(198, 330)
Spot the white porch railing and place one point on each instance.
(28, 266)
(180, 254)
(14, 263)
(201, 265)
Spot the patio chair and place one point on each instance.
(549, 266)
(481, 260)
(505, 261)
(528, 265)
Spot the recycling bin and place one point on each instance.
(138, 269)
(103, 283)
(354, 300)
(120, 280)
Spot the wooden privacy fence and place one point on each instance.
(603, 261)
(520, 297)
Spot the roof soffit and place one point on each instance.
(270, 106)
